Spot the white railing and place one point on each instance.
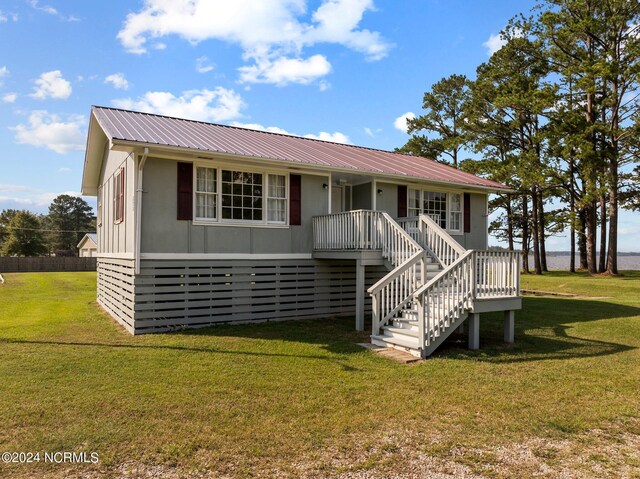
(467, 275)
(498, 274)
(364, 230)
(445, 298)
(438, 242)
(475, 274)
(393, 292)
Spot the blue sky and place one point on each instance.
(344, 70)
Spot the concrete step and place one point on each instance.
(406, 343)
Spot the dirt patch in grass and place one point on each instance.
(608, 452)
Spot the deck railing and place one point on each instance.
(467, 275)
(364, 230)
(475, 274)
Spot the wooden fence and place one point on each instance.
(45, 264)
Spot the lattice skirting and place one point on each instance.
(170, 294)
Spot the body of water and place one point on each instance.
(561, 262)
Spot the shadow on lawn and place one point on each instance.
(544, 331)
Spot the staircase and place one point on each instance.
(433, 284)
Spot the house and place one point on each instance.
(88, 246)
(200, 223)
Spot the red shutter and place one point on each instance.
(402, 201)
(295, 202)
(467, 213)
(185, 191)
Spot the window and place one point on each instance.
(413, 205)
(277, 199)
(435, 205)
(99, 219)
(206, 193)
(241, 195)
(233, 196)
(118, 196)
(455, 211)
(446, 209)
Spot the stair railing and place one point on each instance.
(437, 241)
(396, 290)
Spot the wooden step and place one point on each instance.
(394, 332)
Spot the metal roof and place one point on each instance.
(151, 129)
(89, 236)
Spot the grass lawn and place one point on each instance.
(294, 399)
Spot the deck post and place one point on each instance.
(359, 295)
(474, 331)
(509, 326)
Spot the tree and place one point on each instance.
(507, 116)
(445, 117)
(597, 43)
(5, 219)
(24, 236)
(70, 218)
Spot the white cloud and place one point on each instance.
(64, 170)
(203, 65)
(49, 10)
(10, 97)
(494, 43)
(324, 85)
(400, 123)
(34, 199)
(4, 72)
(52, 85)
(48, 130)
(118, 81)
(272, 33)
(257, 126)
(283, 71)
(5, 17)
(218, 104)
(336, 137)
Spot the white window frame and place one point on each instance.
(219, 220)
(119, 195)
(460, 212)
(216, 193)
(423, 190)
(99, 219)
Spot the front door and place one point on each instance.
(337, 199)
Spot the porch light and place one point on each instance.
(325, 186)
(379, 191)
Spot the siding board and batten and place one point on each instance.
(247, 282)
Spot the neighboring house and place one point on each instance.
(201, 223)
(88, 246)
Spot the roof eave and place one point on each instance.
(139, 144)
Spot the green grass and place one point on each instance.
(289, 396)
